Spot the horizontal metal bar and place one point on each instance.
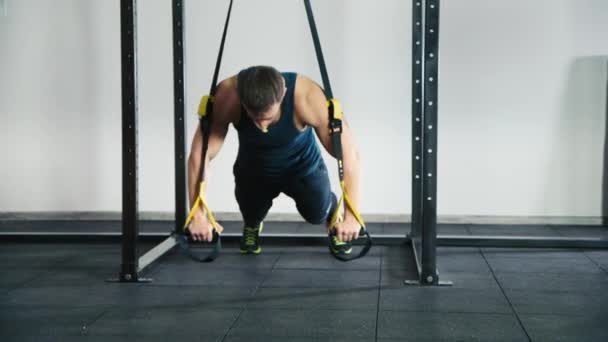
(290, 239)
(520, 241)
(295, 217)
(160, 234)
(73, 234)
(111, 237)
(156, 252)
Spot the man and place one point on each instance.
(275, 114)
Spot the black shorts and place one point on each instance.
(312, 194)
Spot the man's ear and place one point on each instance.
(284, 89)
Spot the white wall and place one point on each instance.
(522, 99)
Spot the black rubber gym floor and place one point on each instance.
(57, 292)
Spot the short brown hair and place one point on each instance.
(259, 87)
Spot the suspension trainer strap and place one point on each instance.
(318, 50)
(221, 52)
(205, 111)
(335, 123)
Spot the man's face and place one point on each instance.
(263, 120)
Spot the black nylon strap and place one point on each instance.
(205, 124)
(206, 120)
(319, 51)
(335, 125)
(221, 52)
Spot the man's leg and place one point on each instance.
(254, 198)
(316, 203)
(313, 196)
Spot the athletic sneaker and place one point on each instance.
(250, 243)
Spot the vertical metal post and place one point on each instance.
(429, 207)
(179, 90)
(417, 111)
(130, 229)
(605, 173)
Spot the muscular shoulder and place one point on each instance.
(308, 99)
(227, 106)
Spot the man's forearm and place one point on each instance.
(351, 182)
(194, 180)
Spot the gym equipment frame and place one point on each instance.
(424, 110)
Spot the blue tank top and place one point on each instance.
(284, 151)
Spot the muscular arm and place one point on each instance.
(223, 113)
(217, 135)
(314, 113)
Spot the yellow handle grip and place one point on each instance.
(336, 215)
(200, 201)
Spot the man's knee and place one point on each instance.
(318, 214)
(314, 219)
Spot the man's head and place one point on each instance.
(261, 90)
